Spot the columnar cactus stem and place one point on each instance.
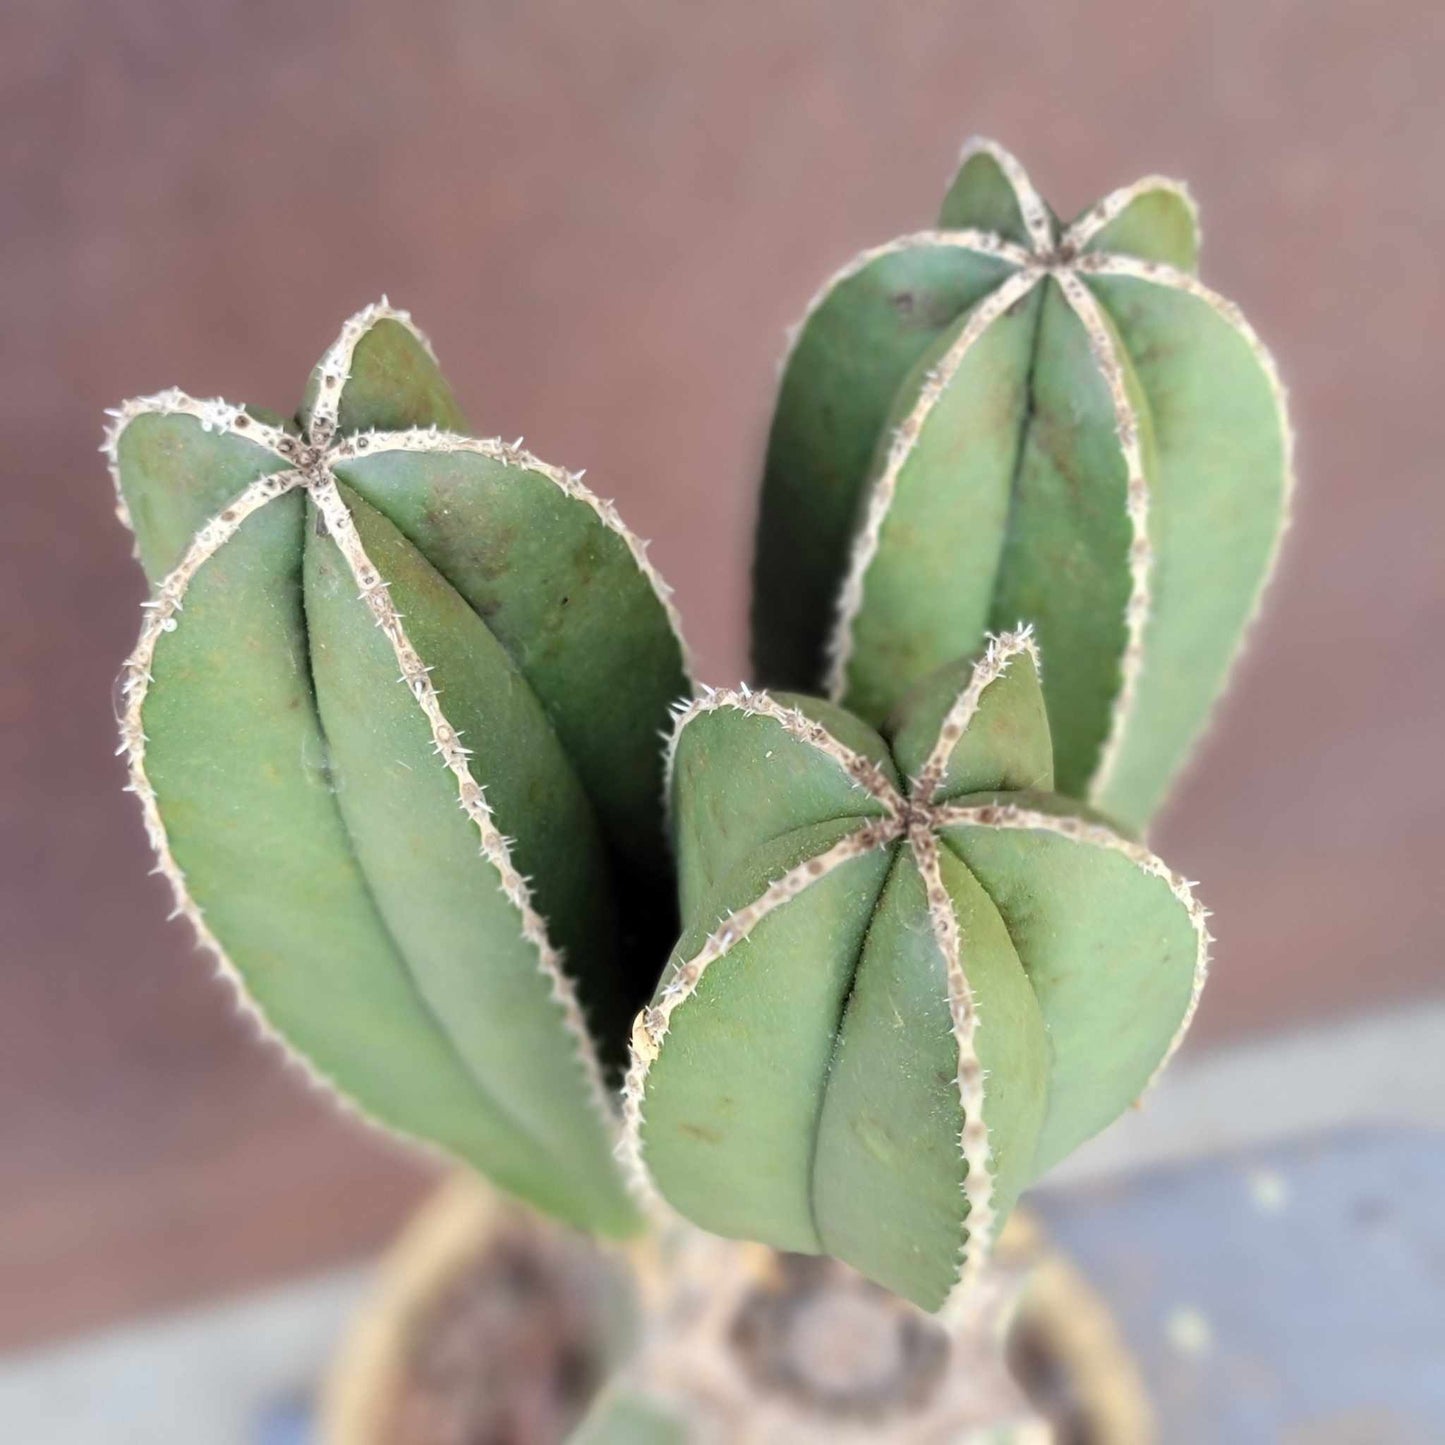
(802, 1105)
(425, 986)
(1007, 418)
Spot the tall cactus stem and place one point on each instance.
(842, 627)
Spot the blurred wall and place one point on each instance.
(606, 214)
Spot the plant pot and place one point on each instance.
(489, 1326)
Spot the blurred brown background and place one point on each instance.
(606, 214)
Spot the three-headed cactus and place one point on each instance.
(1006, 419)
(393, 722)
(911, 977)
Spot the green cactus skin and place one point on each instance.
(1006, 418)
(895, 1004)
(393, 722)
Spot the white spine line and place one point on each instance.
(995, 662)
(470, 794)
(985, 243)
(865, 546)
(214, 415)
(1030, 203)
(431, 439)
(1087, 226)
(652, 1024)
(1136, 502)
(973, 1142)
(863, 772)
(335, 366)
(1095, 835)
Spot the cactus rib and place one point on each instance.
(984, 243)
(160, 617)
(1136, 503)
(1102, 213)
(1031, 204)
(470, 794)
(334, 369)
(1000, 652)
(880, 499)
(213, 413)
(1160, 273)
(683, 976)
(973, 1139)
(1096, 835)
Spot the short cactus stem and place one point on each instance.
(842, 923)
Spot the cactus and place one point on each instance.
(1003, 419)
(393, 722)
(895, 1003)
